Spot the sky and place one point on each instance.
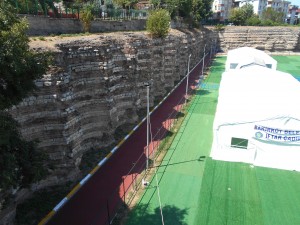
(295, 2)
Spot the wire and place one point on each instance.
(157, 185)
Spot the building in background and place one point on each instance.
(293, 15)
(279, 6)
(258, 5)
(221, 8)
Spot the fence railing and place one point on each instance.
(125, 193)
(123, 196)
(72, 10)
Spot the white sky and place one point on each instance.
(295, 2)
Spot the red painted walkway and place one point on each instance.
(89, 205)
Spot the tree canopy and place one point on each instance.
(239, 16)
(192, 11)
(20, 162)
(273, 16)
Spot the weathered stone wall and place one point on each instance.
(41, 25)
(271, 39)
(96, 87)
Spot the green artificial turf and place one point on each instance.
(180, 173)
(196, 190)
(289, 64)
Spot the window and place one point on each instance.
(233, 65)
(239, 143)
(269, 66)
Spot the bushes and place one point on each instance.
(87, 17)
(220, 27)
(158, 23)
(253, 21)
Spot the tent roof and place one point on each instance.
(255, 94)
(247, 55)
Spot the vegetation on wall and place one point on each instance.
(158, 23)
(20, 161)
(86, 17)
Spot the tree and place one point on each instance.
(271, 15)
(86, 17)
(23, 6)
(20, 162)
(201, 9)
(125, 3)
(239, 16)
(253, 21)
(191, 11)
(158, 23)
(172, 6)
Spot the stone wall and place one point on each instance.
(96, 87)
(41, 25)
(271, 39)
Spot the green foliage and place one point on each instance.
(86, 17)
(158, 23)
(253, 21)
(20, 163)
(185, 8)
(125, 3)
(239, 16)
(42, 202)
(192, 11)
(172, 6)
(19, 66)
(220, 27)
(32, 6)
(270, 17)
(156, 3)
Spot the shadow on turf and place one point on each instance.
(202, 92)
(171, 214)
(200, 159)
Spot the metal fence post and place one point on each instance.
(108, 214)
(124, 190)
(36, 7)
(27, 6)
(16, 3)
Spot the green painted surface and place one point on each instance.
(289, 64)
(181, 171)
(194, 189)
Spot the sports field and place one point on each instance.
(289, 64)
(194, 189)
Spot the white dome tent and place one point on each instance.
(246, 56)
(258, 118)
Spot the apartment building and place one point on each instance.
(293, 15)
(258, 5)
(221, 8)
(280, 6)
